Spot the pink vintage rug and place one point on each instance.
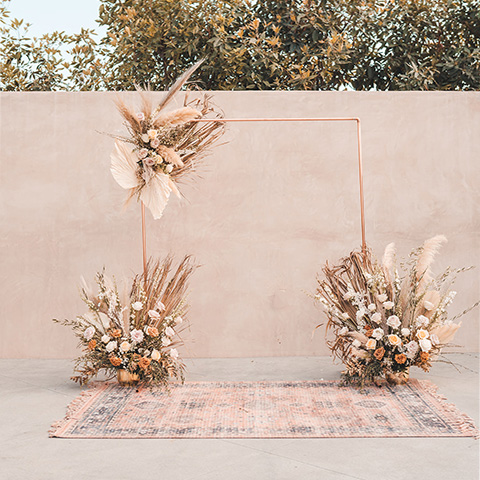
(311, 409)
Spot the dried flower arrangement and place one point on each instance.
(138, 333)
(384, 324)
(167, 145)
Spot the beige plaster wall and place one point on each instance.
(273, 205)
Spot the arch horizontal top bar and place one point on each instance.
(280, 119)
(315, 119)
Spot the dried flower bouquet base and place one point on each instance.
(134, 335)
(382, 322)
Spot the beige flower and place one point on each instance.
(155, 355)
(371, 344)
(422, 334)
(425, 345)
(394, 340)
(152, 134)
(125, 346)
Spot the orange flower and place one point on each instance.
(115, 361)
(116, 333)
(152, 331)
(92, 344)
(136, 357)
(400, 358)
(379, 353)
(424, 356)
(369, 331)
(144, 363)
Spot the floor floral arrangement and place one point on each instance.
(383, 322)
(134, 335)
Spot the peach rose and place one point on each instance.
(379, 353)
(144, 363)
(371, 344)
(424, 356)
(422, 334)
(125, 346)
(92, 344)
(394, 340)
(400, 358)
(115, 361)
(152, 331)
(117, 333)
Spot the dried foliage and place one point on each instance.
(383, 324)
(139, 333)
(167, 145)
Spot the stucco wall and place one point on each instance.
(272, 206)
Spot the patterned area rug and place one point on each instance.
(262, 410)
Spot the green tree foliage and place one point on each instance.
(270, 44)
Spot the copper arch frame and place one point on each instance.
(339, 119)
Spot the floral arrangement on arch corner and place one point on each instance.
(384, 323)
(163, 146)
(136, 332)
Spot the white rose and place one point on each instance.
(347, 296)
(166, 341)
(356, 343)
(153, 314)
(377, 317)
(388, 305)
(105, 339)
(425, 345)
(428, 305)
(371, 344)
(155, 355)
(360, 314)
(169, 168)
(136, 335)
(89, 333)
(125, 346)
(434, 339)
(393, 321)
(142, 153)
(343, 331)
(137, 306)
(169, 331)
(145, 138)
(111, 346)
(140, 116)
(378, 333)
(405, 332)
(174, 353)
(372, 307)
(422, 321)
(155, 142)
(412, 349)
(382, 297)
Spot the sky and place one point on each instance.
(49, 15)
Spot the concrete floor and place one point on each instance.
(35, 393)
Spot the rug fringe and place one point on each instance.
(464, 423)
(74, 407)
